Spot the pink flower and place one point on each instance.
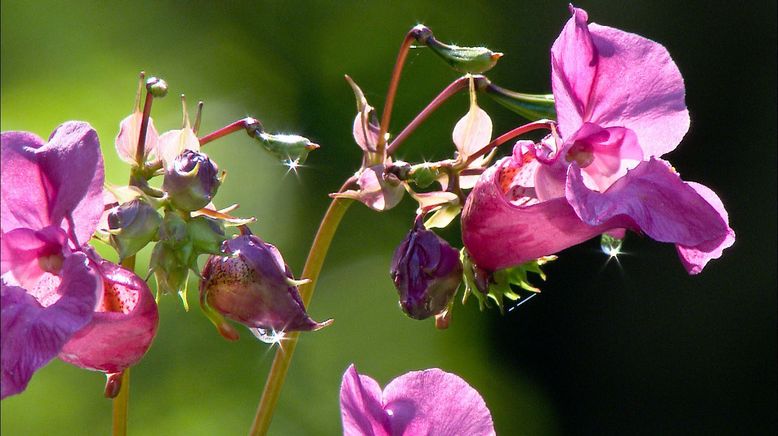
(429, 402)
(54, 289)
(620, 106)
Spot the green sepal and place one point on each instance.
(501, 284)
(530, 106)
(424, 174)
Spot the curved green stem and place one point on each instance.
(283, 356)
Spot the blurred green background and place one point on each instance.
(638, 349)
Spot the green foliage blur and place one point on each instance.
(629, 349)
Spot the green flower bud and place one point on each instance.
(289, 149)
(132, 225)
(423, 175)
(462, 59)
(156, 87)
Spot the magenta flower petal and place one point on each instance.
(662, 205)
(32, 334)
(28, 254)
(73, 164)
(429, 402)
(435, 402)
(123, 326)
(44, 183)
(498, 234)
(24, 198)
(361, 408)
(637, 84)
(694, 259)
(574, 61)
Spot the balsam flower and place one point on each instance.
(429, 402)
(620, 106)
(52, 285)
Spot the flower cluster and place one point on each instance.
(61, 299)
(618, 106)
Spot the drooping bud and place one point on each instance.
(191, 181)
(252, 285)
(462, 59)
(426, 272)
(122, 328)
(132, 225)
(289, 149)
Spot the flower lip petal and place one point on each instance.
(655, 198)
(32, 335)
(123, 327)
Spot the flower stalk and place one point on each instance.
(386, 115)
(249, 124)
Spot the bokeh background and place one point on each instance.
(635, 348)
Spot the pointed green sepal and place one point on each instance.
(533, 107)
(499, 285)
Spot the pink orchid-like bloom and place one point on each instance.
(620, 106)
(57, 294)
(429, 402)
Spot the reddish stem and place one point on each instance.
(249, 124)
(140, 151)
(386, 115)
(444, 95)
(505, 137)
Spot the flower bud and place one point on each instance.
(252, 285)
(426, 271)
(462, 59)
(156, 87)
(123, 327)
(287, 148)
(132, 225)
(191, 180)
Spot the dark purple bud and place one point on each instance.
(252, 285)
(426, 271)
(132, 225)
(191, 180)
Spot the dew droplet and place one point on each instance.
(610, 245)
(268, 336)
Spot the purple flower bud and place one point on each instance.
(252, 285)
(133, 225)
(426, 271)
(191, 180)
